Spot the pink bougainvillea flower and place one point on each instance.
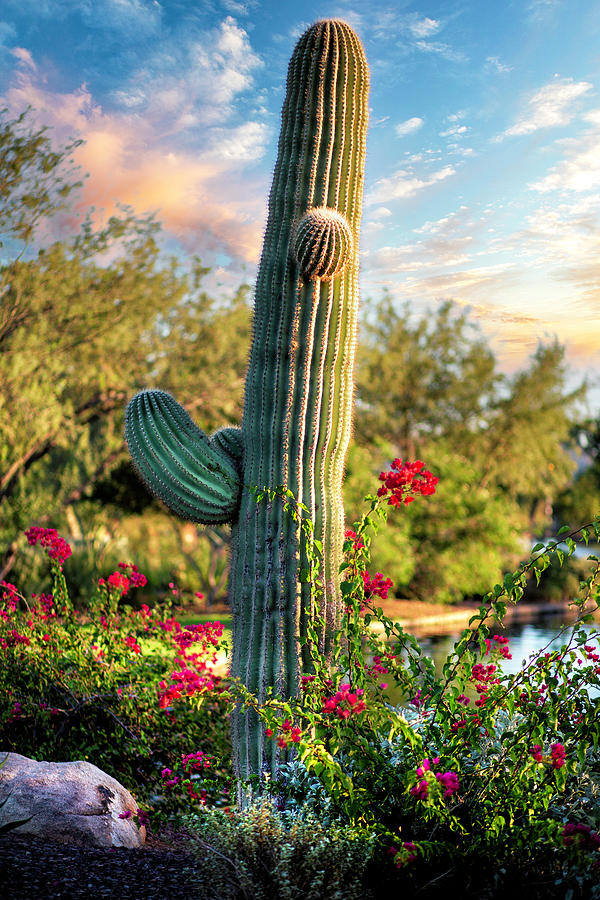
(404, 480)
(55, 546)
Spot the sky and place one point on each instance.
(482, 182)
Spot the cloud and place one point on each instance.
(443, 50)
(200, 193)
(579, 171)
(454, 131)
(238, 8)
(247, 143)
(464, 286)
(561, 244)
(441, 243)
(24, 57)
(405, 183)
(43, 9)
(140, 18)
(493, 62)
(382, 212)
(421, 28)
(409, 126)
(8, 32)
(193, 80)
(550, 106)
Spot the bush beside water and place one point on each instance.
(485, 782)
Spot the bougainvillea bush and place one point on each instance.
(132, 691)
(481, 780)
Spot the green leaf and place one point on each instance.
(537, 547)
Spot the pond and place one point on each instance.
(524, 640)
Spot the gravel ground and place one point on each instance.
(35, 869)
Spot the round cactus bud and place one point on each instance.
(322, 243)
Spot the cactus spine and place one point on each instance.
(298, 398)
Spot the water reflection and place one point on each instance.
(525, 639)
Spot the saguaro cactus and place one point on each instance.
(298, 397)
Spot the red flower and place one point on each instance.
(136, 579)
(376, 586)
(405, 479)
(119, 581)
(56, 547)
(557, 752)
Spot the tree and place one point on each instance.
(84, 323)
(432, 389)
(420, 380)
(580, 501)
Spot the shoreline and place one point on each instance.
(445, 620)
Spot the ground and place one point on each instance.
(35, 869)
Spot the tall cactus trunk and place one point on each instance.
(298, 399)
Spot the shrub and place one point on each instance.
(263, 853)
(132, 691)
(485, 780)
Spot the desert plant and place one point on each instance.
(298, 396)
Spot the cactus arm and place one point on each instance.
(196, 476)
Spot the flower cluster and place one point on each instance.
(306, 681)
(129, 577)
(55, 546)
(194, 762)
(344, 703)
(376, 586)
(136, 578)
(406, 854)
(591, 655)
(484, 677)
(557, 755)
(193, 677)
(133, 645)
(499, 643)
(290, 734)
(404, 480)
(581, 836)
(357, 543)
(142, 818)
(12, 638)
(204, 632)
(10, 597)
(448, 781)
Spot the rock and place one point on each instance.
(72, 802)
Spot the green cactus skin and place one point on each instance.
(299, 389)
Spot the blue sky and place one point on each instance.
(483, 154)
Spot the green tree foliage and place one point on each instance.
(431, 388)
(581, 499)
(86, 321)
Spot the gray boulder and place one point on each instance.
(72, 802)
